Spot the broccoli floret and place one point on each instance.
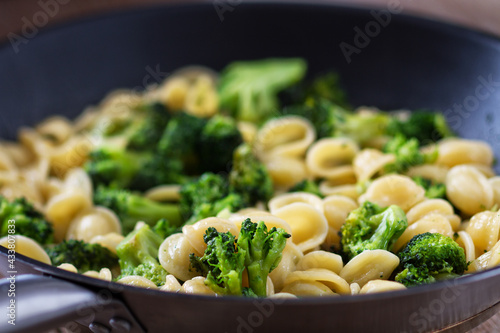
(28, 221)
(163, 228)
(262, 250)
(248, 89)
(181, 141)
(362, 126)
(257, 249)
(113, 166)
(320, 112)
(308, 186)
(138, 255)
(131, 208)
(372, 227)
(219, 139)
(84, 256)
(430, 257)
(249, 177)
(407, 154)
(148, 131)
(207, 196)
(433, 190)
(324, 87)
(126, 169)
(221, 263)
(425, 126)
(158, 170)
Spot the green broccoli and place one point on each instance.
(249, 177)
(158, 170)
(361, 127)
(322, 114)
(181, 141)
(433, 190)
(131, 208)
(28, 221)
(146, 132)
(425, 126)
(262, 251)
(249, 89)
(225, 259)
(138, 255)
(430, 257)
(207, 196)
(84, 256)
(308, 186)
(219, 139)
(372, 227)
(163, 228)
(113, 166)
(325, 86)
(222, 263)
(407, 154)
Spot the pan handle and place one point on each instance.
(39, 303)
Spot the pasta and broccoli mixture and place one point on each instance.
(254, 181)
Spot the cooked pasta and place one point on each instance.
(324, 200)
(369, 265)
(479, 194)
(394, 190)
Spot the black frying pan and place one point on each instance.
(409, 63)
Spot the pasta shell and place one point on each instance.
(370, 265)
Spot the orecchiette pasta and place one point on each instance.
(348, 190)
(484, 229)
(369, 265)
(171, 284)
(466, 242)
(436, 173)
(103, 274)
(109, 241)
(433, 206)
(164, 193)
(378, 286)
(394, 190)
(174, 256)
(68, 267)
(309, 226)
(285, 137)
(308, 288)
(321, 259)
(326, 277)
(291, 257)
(196, 285)
(194, 233)
(433, 223)
(331, 158)
(98, 221)
(137, 281)
(468, 189)
(453, 151)
(286, 171)
(369, 162)
(25, 246)
(486, 260)
(285, 199)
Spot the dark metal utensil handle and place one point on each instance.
(38, 303)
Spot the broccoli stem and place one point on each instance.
(151, 211)
(391, 224)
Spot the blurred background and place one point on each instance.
(482, 15)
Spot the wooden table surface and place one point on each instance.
(482, 15)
